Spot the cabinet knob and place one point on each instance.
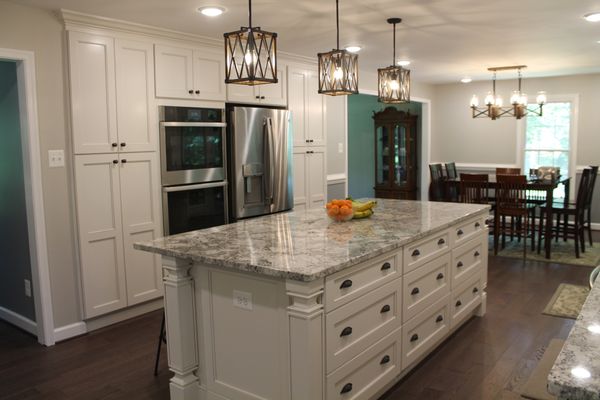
(311, 140)
(416, 253)
(262, 97)
(123, 144)
(459, 264)
(307, 141)
(346, 331)
(441, 241)
(440, 276)
(459, 232)
(114, 144)
(385, 360)
(197, 92)
(476, 254)
(477, 224)
(190, 91)
(415, 291)
(258, 97)
(439, 319)
(346, 284)
(386, 266)
(458, 303)
(475, 290)
(414, 338)
(385, 309)
(115, 161)
(347, 388)
(124, 161)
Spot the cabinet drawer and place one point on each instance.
(424, 286)
(421, 333)
(467, 260)
(357, 325)
(468, 230)
(465, 299)
(349, 284)
(368, 373)
(418, 253)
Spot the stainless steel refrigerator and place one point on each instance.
(260, 161)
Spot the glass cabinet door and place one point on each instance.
(383, 155)
(400, 155)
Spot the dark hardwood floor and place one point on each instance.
(488, 358)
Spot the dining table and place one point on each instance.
(538, 190)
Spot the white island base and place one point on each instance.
(351, 334)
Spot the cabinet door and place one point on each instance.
(243, 94)
(209, 75)
(174, 72)
(136, 112)
(275, 93)
(300, 175)
(317, 180)
(93, 103)
(315, 121)
(297, 104)
(140, 191)
(100, 233)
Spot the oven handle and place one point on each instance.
(183, 188)
(195, 124)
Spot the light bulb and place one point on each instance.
(489, 99)
(541, 98)
(515, 97)
(250, 57)
(474, 101)
(523, 100)
(394, 85)
(338, 73)
(498, 102)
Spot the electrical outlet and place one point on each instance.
(27, 288)
(242, 299)
(340, 147)
(56, 158)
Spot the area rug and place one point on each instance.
(567, 301)
(562, 253)
(536, 387)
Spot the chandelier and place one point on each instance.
(393, 81)
(493, 104)
(338, 69)
(250, 55)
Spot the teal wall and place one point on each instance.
(361, 142)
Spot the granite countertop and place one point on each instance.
(307, 245)
(576, 371)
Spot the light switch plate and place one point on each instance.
(56, 158)
(242, 299)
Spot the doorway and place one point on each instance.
(25, 299)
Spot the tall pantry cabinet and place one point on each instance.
(117, 181)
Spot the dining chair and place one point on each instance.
(588, 202)
(451, 170)
(511, 202)
(451, 188)
(162, 338)
(474, 188)
(508, 171)
(437, 185)
(569, 217)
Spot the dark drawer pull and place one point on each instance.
(258, 97)
(347, 388)
(385, 308)
(415, 291)
(459, 232)
(440, 276)
(458, 303)
(262, 97)
(416, 253)
(414, 338)
(190, 91)
(475, 290)
(197, 92)
(439, 318)
(460, 264)
(385, 360)
(115, 161)
(386, 265)
(441, 242)
(114, 144)
(477, 224)
(346, 284)
(476, 254)
(124, 160)
(123, 144)
(346, 331)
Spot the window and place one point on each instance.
(548, 140)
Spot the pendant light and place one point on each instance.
(338, 69)
(393, 81)
(250, 55)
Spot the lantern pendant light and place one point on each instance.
(250, 55)
(338, 69)
(393, 81)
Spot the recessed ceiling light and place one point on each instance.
(581, 373)
(466, 79)
(592, 17)
(353, 49)
(211, 11)
(403, 63)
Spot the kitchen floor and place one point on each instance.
(489, 358)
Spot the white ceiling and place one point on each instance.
(444, 39)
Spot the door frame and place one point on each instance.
(32, 168)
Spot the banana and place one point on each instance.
(363, 214)
(358, 206)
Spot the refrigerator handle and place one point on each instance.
(269, 159)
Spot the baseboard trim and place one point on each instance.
(70, 331)
(18, 320)
(124, 314)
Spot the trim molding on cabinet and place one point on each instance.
(70, 331)
(334, 179)
(18, 320)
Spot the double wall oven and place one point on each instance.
(193, 168)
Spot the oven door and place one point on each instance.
(191, 207)
(192, 152)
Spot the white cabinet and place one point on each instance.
(268, 94)
(186, 73)
(307, 107)
(117, 204)
(309, 166)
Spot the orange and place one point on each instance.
(345, 210)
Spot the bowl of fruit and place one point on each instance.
(345, 210)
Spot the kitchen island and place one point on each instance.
(295, 306)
